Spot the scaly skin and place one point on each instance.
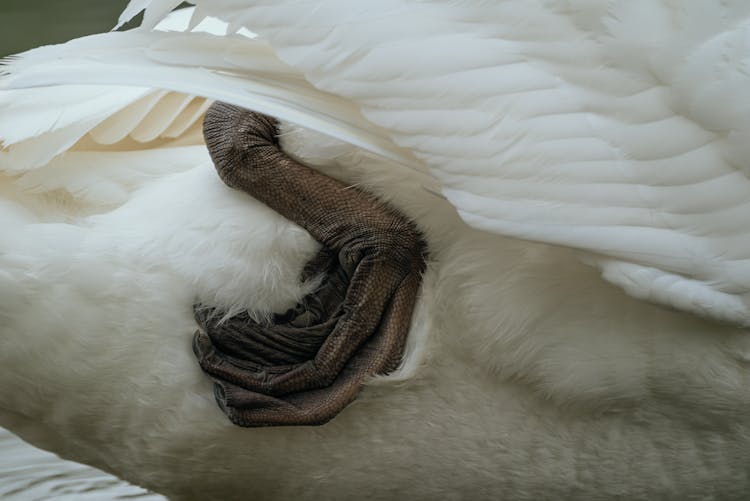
(311, 362)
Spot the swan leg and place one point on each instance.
(311, 361)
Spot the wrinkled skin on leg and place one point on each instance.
(311, 361)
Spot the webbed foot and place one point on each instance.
(309, 363)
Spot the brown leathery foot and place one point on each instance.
(309, 363)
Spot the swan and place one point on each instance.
(575, 167)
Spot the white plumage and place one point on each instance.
(615, 130)
(608, 130)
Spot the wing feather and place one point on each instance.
(137, 58)
(619, 128)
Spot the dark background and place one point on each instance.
(25, 24)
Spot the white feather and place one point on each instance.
(161, 60)
(546, 122)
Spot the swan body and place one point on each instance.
(527, 375)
